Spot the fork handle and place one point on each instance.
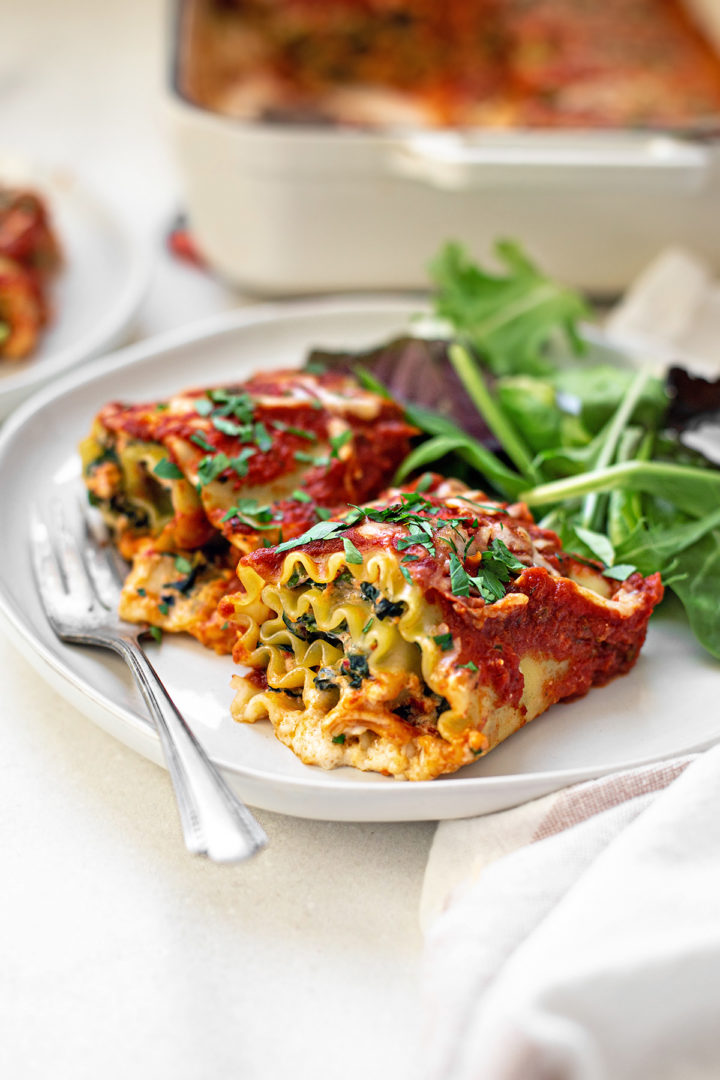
(214, 820)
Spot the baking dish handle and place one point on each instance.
(598, 160)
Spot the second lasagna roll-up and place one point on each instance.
(188, 485)
(414, 634)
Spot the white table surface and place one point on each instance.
(120, 954)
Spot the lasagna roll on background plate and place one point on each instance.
(413, 635)
(188, 485)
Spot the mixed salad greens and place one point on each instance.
(596, 449)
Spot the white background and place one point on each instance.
(119, 954)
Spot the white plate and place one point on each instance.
(666, 706)
(95, 295)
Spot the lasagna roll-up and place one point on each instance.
(413, 635)
(189, 484)
(29, 258)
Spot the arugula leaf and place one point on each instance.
(511, 319)
(596, 391)
(620, 572)
(691, 489)
(597, 543)
(654, 548)
(491, 412)
(530, 405)
(507, 482)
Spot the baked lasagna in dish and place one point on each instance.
(29, 259)
(188, 485)
(460, 63)
(412, 635)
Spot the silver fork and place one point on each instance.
(78, 583)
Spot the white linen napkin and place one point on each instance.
(592, 950)
(671, 313)
(577, 937)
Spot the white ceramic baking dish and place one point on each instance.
(282, 209)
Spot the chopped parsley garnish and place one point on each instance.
(182, 565)
(241, 406)
(620, 572)
(300, 496)
(199, 439)
(323, 530)
(203, 407)
(323, 512)
(445, 641)
(251, 513)
(302, 433)
(311, 459)
(338, 441)
(212, 466)
(229, 427)
(368, 624)
(471, 665)
(263, 438)
(459, 580)
(495, 567)
(339, 739)
(163, 607)
(352, 555)
(141, 591)
(168, 470)
(155, 632)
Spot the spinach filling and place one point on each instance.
(306, 629)
(136, 515)
(108, 455)
(353, 667)
(382, 607)
(186, 583)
